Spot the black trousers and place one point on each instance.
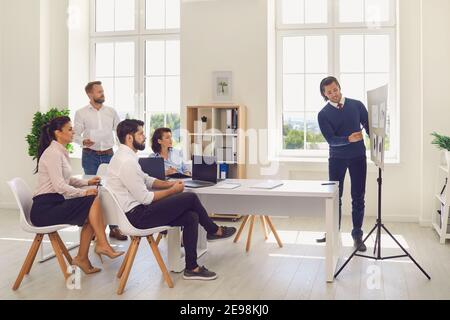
(180, 210)
(357, 168)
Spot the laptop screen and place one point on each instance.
(204, 168)
(154, 167)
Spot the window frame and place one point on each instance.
(333, 29)
(93, 22)
(142, 105)
(142, 26)
(139, 36)
(92, 63)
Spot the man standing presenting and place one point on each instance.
(340, 122)
(94, 127)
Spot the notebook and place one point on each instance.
(228, 186)
(269, 184)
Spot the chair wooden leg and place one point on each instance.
(58, 252)
(35, 251)
(26, 267)
(124, 263)
(269, 222)
(250, 231)
(264, 226)
(241, 228)
(160, 261)
(126, 272)
(158, 239)
(64, 249)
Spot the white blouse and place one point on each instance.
(54, 173)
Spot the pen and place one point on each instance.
(328, 184)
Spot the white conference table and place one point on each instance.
(294, 198)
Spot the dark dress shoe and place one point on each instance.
(117, 234)
(358, 244)
(322, 240)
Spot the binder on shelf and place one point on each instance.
(224, 154)
(234, 148)
(229, 119)
(229, 122)
(235, 119)
(198, 128)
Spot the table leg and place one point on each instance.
(334, 242)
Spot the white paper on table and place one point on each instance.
(375, 119)
(228, 186)
(269, 184)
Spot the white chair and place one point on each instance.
(110, 204)
(24, 199)
(102, 170)
(110, 217)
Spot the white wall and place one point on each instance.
(20, 84)
(226, 35)
(78, 53)
(2, 28)
(33, 77)
(232, 35)
(435, 87)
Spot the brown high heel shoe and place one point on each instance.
(110, 254)
(85, 266)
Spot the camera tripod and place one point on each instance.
(377, 248)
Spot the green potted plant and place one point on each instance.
(39, 120)
(443, 143)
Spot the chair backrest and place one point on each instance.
(112, 208)
(102, 170)
(24, 199)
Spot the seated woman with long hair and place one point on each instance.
(162, 146)
(60, 199)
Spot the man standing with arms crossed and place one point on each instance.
(340, 122)
(94, 127)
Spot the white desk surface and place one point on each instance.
(291, 188)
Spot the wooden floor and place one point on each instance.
(295, 271)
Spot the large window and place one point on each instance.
(135, 52)
(352, 39)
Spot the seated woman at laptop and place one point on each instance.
(149, 202)
(173, 158)
(59, 198)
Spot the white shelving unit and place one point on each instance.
(440, 214)
(222, 136)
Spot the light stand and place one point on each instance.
(378, 226)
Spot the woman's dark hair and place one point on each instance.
(158, 135)
(326, 82)
(128, 126)
(48, 135)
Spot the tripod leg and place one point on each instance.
(355, 251)
(375, 246)
(406, 252)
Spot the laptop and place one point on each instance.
(204, 172)
(154, 167)
(178, 175)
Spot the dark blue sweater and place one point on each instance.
(337, 125)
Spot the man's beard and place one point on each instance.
(138, 146)
(99, 101)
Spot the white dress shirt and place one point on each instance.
(97, 125)
(127, 181)
(336, 104)
(54, 173)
